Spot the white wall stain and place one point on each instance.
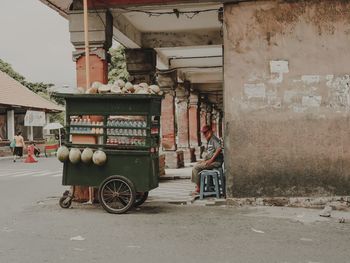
(311, 101)
(277, 69)
(310, 79)
(289, 95)
(339, 92)
(298, 108)
(255, 90)
(279, 66)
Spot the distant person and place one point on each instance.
(30, 157)
(213, 159)
(19, 146)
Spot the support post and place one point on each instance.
(173, 158)
(94, 53)
(203, 120)
(194, 131)
(10, 124)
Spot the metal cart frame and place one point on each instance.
(130, 171)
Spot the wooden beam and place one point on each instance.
(181, 39)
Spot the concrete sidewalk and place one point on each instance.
(174, 187)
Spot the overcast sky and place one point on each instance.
(34, 39)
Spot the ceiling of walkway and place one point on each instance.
(186, 36)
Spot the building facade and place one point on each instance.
(270, 76)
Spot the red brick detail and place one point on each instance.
(98, 70)
(168, 123)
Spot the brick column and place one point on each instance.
(167, 83)
(182, 100)
(168, 121)
(100, 40)
(98, 66)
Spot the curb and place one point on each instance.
(176, 177)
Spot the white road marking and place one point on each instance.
(23, 173)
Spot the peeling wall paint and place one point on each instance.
(255, 90)
(339, 92)
(287, 97)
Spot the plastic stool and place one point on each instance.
(209, 179)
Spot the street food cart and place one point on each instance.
(125, 127)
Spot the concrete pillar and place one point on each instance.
(10, 124)
(141, 65)
(47, 117)
(203, 120)
(182, 100)
(167, 84)
(100, 40)
(193, 116)
(168, 121)
(30, 133)
(173, 158)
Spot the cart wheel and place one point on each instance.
(65, 201)
(141, 197)
(117, 194)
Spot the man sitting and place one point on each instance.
(213, 159)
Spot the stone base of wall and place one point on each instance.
(5, 151)
(336, 202)
(174, 159)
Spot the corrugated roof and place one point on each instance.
(15, 94)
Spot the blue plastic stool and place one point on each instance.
(213, 182)
(209, 183)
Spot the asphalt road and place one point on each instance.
(33, 228)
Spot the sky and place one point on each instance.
(35, 40)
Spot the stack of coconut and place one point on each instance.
(74, 155)
(120, 87)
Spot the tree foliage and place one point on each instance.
(117, 67)
(39, 88)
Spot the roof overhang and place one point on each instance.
(187, 35)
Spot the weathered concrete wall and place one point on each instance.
(287, 100)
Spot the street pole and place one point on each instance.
(87, 51)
